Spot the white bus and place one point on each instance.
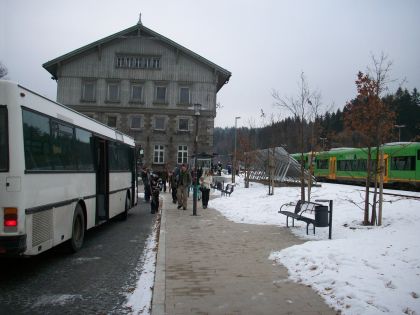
(61, 173)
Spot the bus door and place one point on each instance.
(333, 164)
(102, 180)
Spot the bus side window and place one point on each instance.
(37, 141)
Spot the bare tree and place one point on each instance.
(3, 71)
(304, 108)
(246, 155)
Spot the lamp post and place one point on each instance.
(399, 131)
(234, 153)
(197, 108)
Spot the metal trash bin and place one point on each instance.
(321, 216)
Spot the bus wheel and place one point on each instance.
(78, 230)
(123, 216)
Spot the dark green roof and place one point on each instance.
(52, 65)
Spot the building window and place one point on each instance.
(135, 122)
(155, 63)
(182, 154)
(88, 91)
(112, 121)
(183, 124)
(137, 62)
(184, 95)
(159, 123)
(158, 154)
(136, 93)
(113, 92)
(160, 96)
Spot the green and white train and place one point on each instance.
(402, 164)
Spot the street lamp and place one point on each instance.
(197, 108)
(234, 153)
(399, 131)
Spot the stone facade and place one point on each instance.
(145, 85)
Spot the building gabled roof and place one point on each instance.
(52, 65)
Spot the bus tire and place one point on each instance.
(77, 230)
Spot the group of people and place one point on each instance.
(180, 181)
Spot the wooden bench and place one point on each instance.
(228, 190)
(304, 211)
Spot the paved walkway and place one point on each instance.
(209, 265)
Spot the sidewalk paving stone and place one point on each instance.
(209, 265)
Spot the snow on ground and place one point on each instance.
(362, 270)
(139, 301)
(56, 299)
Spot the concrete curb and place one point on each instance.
(159, 290)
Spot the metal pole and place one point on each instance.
(330, 220)
(234, 153)
(195, 168)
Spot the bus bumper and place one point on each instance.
(12, 245)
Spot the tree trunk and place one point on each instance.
(381, 188)
(366, 214)
(272, 167)
(302, 164)
(302, 178)
(375, 193)
(311, 170)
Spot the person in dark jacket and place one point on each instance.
(155, 187)
(145, 177)
(173, 185)
(183, 183)
(164, 177)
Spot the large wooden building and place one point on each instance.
(145, 85)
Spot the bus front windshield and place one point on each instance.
(4, 146)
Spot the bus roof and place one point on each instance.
(39, 103)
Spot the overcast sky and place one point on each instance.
(265, 44)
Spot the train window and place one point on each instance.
(344, 165)
(359, 165)
(354, 165)
(418, 155)
(403, 163)
(322, 164)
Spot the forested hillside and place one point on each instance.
(327, 131)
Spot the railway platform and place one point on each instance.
(209, 265)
